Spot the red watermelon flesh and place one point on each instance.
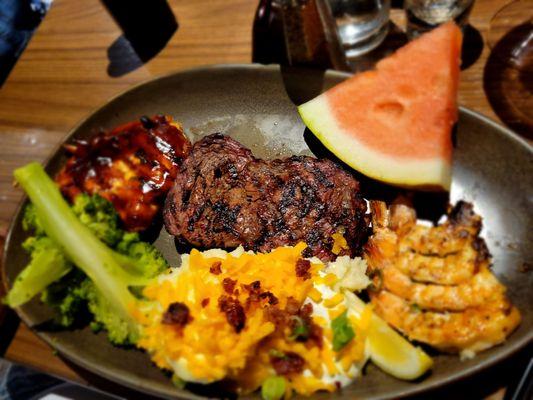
(399, 115)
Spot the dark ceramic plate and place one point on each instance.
(255, 104)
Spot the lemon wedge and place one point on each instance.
(389, 350)
(393, 353)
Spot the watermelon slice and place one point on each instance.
(394, 123)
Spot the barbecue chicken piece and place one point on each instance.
(133, 166)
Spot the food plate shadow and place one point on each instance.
(472, 46)
(52, 325)
(107, 385)
(429, 205)
(152, 233)
(301, 84)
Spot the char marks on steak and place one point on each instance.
(225, 197)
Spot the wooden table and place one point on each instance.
(62, 76)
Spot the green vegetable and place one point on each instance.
(30, 221)
(415, 308)
(82, 232)
(277, 354)
(48, 264)
(178, 382)
(343, 332)
(48, 260)
(68, 297)
(273, 388)
(99, 215)
(138, 256)
(300, 330)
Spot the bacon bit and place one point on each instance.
(293, 306)
(285, 318)
(255, 294)
(229, 285)
(281, 317)
(215, 268)
(255, 286)
(234, 312)
(254, 289)
(277, 316)
(316, 334)
(287, 364)
(272, 299)
(176, 314)
(302, 269)
(205, 302)
(306, 310)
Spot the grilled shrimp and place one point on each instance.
(434, 284)
(451, 269)
(473, 330)
(481, 288)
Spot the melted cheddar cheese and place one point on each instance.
(209, 348)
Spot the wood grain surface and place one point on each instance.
(63, 75)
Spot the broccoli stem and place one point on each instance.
(47, 265)
(83, 248)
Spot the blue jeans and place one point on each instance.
(18, 20)
(19, 383)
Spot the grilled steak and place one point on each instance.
(225, 197)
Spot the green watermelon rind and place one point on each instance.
(428, 174)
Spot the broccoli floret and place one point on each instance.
(81, 235)
(30, 222)
(48, 264)
(143, 258)
(75, 294)
(138, 258)
(99, 215)
(68, 296)
(118, 329)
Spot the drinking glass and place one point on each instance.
(514, 22)
(424, 15)
(509, 71)
(362, 24)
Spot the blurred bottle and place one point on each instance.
(268, 43)
(297, 33)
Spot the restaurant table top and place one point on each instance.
(64, 74)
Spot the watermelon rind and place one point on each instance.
(426, 173)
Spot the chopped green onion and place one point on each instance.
(178, 382)
(415, 308)
(277, 354)
(300, 330)
(273, 388)
(343, 332)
